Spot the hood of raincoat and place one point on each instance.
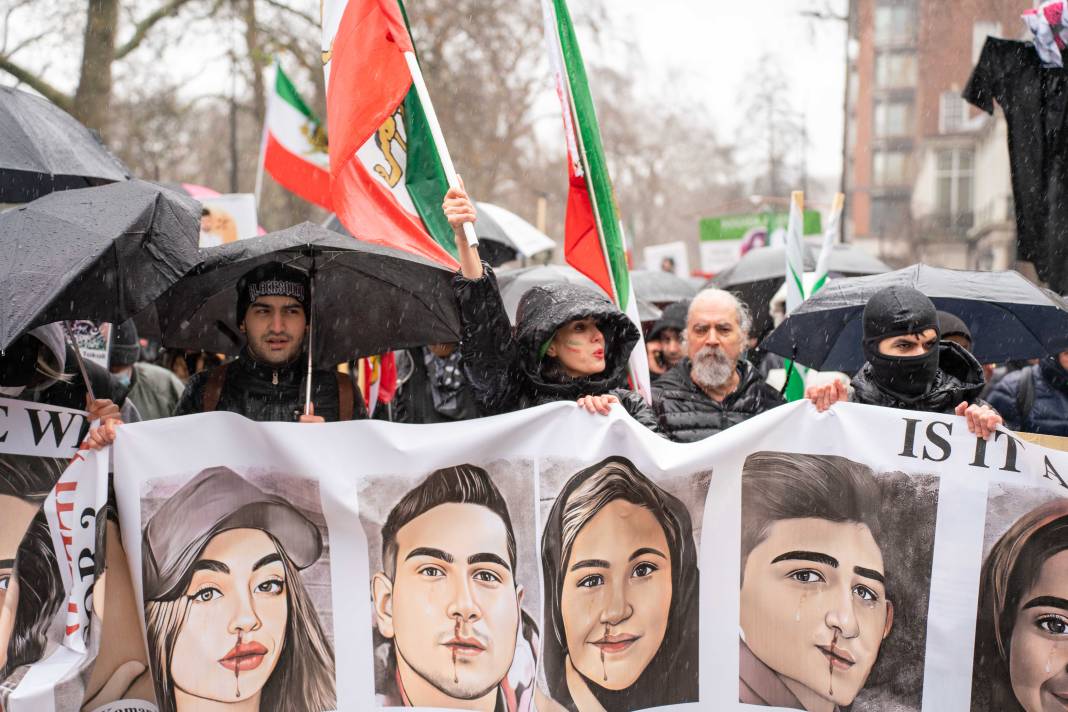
(544, 309)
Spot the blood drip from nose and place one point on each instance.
(237, 671)
(603, 666)
(830, 666)
(455, 672)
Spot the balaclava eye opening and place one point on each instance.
(896, 311)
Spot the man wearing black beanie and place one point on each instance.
(908, 365)
(267, 381)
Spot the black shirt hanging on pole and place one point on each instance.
(1034, 99)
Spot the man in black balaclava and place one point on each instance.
(909, 367)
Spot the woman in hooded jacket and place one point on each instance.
(40, 367)
(569, 342)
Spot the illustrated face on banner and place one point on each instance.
(236, 620)
(619, 558)
(814, 606)
(1038, 659)
(452, 605)
(1021, 638)
(616, 594)
(229, 619)
(17, 515)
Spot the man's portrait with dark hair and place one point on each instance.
(830, 582)
(446, 597)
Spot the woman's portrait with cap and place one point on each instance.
(228, 617)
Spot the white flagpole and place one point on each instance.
(263, 140)
(435, 132)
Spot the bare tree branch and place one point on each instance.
(142, 28)
(64, 101)
(293, 11)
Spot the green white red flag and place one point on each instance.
(795, 284)
(295, 151)
(593, 233)
(387, 179)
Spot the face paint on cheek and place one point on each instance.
(573, 344)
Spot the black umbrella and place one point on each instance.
(100, 253)
(366, 299)
(1009, 317)
(44, 149)
(759, 273)
(660, 288)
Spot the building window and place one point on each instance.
(889, 216)
(980, 31)
(951, 112)
(895, 25)
(893, 118)
(895, 70)
(891, 168)
(955, 184)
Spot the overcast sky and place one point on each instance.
(706, 46)
(698, 48)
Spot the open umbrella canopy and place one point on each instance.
(101, 253)
(759, 273)
(660, 288)
(504, 227)
(44, 149)
(367, 299)
(1009, 317)
(514, 283)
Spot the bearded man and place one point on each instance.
(714, 387)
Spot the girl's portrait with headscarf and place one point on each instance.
(621, 593)
(228, 613)
(1021, 638)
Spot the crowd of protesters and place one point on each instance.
(568, 343)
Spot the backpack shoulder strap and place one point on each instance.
(1025, 395)
(213, 388)
(346, 396)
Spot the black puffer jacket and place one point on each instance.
(504, 366)
(959, 378)
(686, 414)
(264, 393)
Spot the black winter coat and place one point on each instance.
(1048, 414)
(504, 366)
(959, 378)
(264, 393)
(686, 414)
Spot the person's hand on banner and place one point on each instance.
(311, 417)
(598, 404)
(103, 435)
(459, 210)
(982, 419)
(823, 397)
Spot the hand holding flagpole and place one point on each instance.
(437, 135)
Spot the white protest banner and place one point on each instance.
(94, 340)
(48, 556)
(861, 559)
